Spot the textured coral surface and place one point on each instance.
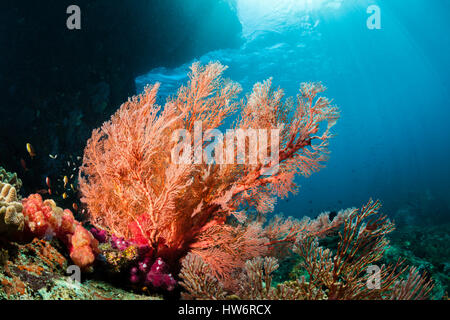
(11, 217)
(322, 273)
(46, 219)
(38, 271)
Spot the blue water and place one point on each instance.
(392, 141)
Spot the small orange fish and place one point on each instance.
(64, 196)
(31, 151)
(74, 206)
(66, 180)
(47, 181)
(49, 191)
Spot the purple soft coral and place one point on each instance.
(119, 243)
(100, 235)
(158, 276)
(155, 275)
(145, 269)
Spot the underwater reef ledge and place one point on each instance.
(36, 271)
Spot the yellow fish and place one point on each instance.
(66, 180)
(64, 196)
(30, 150)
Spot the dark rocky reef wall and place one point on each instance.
(58, 84)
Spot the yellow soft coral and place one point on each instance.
(11, 217)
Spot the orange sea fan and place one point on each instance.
(133, 188)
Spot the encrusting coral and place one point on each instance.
(342, 275)
(37, 270)
(11, 217)
(135, 190)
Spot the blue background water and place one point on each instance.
(392, 141)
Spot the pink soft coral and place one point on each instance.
(44, 218)
(38, 216)
(134, 190)
(83, 247)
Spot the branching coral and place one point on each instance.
(415, 287)
(145, 272)
(345, 274)
(281, 231)
(134, 189)
(342, 275)
(11, 217)
(198, 280)
(255, 282)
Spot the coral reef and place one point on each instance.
(165, 211)
(118, 260)
(254, 282)
(426, 248)
(136, 260)
(155, 275)
(37, 271)
(199, 281)
(11, 217)
(344, 274)
(339, 275)
(134, 189)
(46, 219)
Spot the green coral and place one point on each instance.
(10, 178)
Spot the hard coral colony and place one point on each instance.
(206, 223)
